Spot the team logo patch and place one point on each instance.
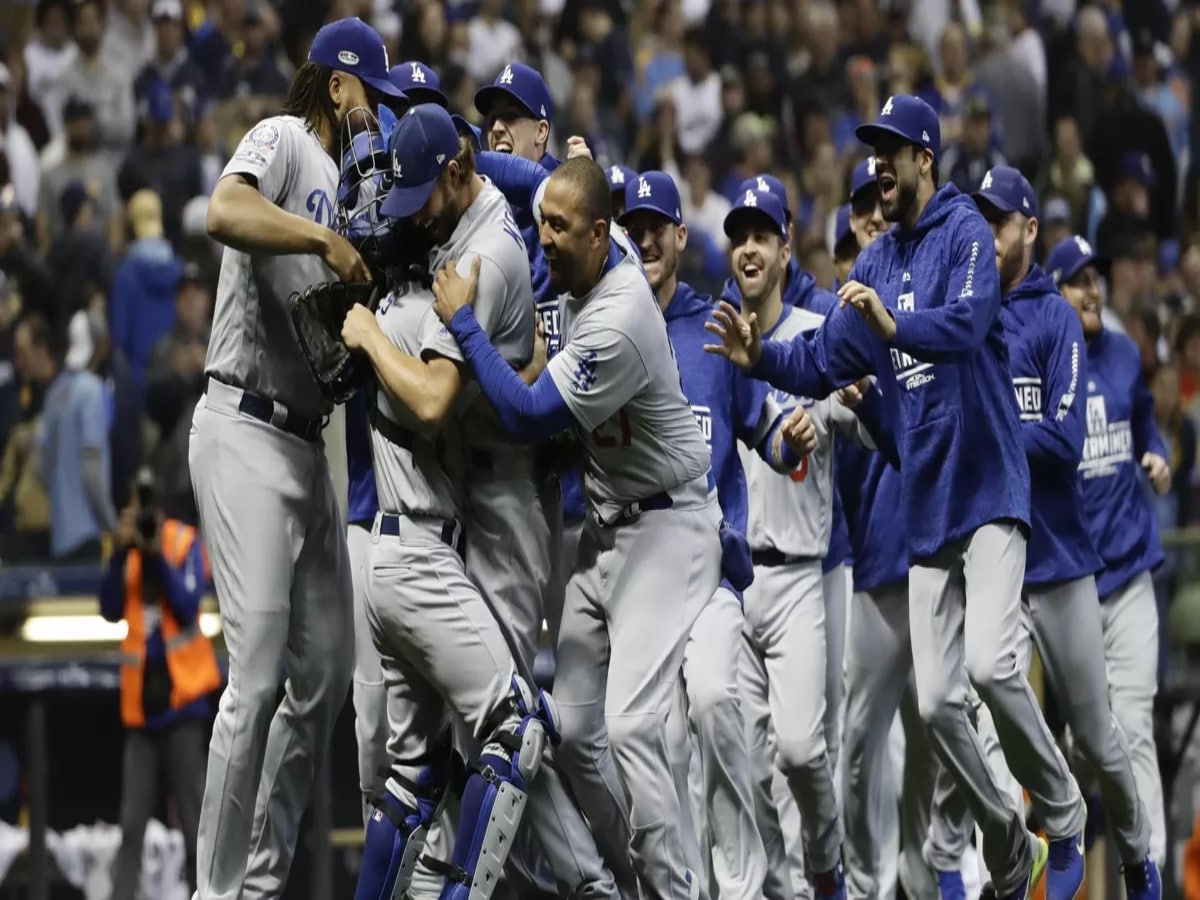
(585, 373)
(349, 57)
(253, 157)
(264, 136)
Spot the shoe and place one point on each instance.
(830, 885)
(950, 886)
(1064, 874)
(1142, 882)
(694, 885)
(1041, 854)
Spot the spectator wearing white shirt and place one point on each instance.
(24, 170)
(100, 82)
(494, 41)
(48, 54)
(704, 209)
(128, 35)
(696, 95)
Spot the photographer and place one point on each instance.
(155, 582)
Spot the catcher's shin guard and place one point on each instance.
(397, 829)
(494, 798)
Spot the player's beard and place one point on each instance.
(756, 291)
(659, 271)
(1010, 264)
(902, 201)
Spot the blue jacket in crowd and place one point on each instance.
(945, 374)
(142, 305)
(1120, 429)
(1048, 362)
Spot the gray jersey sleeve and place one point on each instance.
(266, 154)
(850, 425)
(597, 372)
(499, 319)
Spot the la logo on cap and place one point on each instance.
(887, 108)
(987, 181)
(349, 57)
(763, 186)
(1083, 245)
(643, 188)
(750, 199)
(396, 164)
(418, 76)
(617, 176)
(506, 77)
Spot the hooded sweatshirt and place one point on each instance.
(142, 309)
(870, 490)
(944, 376)
(1120, 429)
(1048, 365)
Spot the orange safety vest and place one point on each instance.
(191, 662)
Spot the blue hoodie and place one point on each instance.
(142, 304)
(1046, 358)
(799, 290)
(363, 501)
(945, 374)
(870, 490)
(1120, 429)
(727, 404)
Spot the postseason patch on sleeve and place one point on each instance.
(264, 136)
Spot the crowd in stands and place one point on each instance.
(116, 117)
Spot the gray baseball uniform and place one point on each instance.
(789, 527)
(510, 557)
(649, 560)
(270, 520)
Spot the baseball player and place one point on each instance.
(434, 185)
(789, 529)
(650, 556)
(729, 407)
(267, 506)
(1121, 438)
(866, 212)
(939, 332)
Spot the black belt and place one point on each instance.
(393, 432)
(263, 409)
(770, 558)
(389, 524)
(661, 500)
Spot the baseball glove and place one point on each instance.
(318, 313)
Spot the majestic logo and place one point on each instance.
(887, 107)
(441, 158)
(506, 77)
(643, 188)
(750, 199)
(418, 76)
(349, 57)
(616, 175)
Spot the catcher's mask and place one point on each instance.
(363, 183)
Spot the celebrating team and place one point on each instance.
(558, 429)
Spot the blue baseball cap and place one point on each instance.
(654, 191)
(1137, 166)
(907, 117)
(620, 177)
(420, 147)
(469, 131)
(767, 184)
(521, 83)
(841, 228)
(1069, 256)
(418, 82)
(863, 176)
(1008, 190)
(757, 203)
(352, 46)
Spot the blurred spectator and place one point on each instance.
(965, 164)
(128, 35)
(820, 82)
(48, 54)
(696, 95)
(256, 73)
(163, 163)
(72, 445)
(1129, 198)
(733, 103)
(426, 40)
(820, 194)
(84, 165)
(493, 41)
(104, 84)
(22, 109)
(1132, 256)
(79, 257)
(1012, 71)
(659, 57)
(953, 86)
(170, 62)
(751, 139)
(1071, 174)
(864, 103)
(1154, 93)
(1054, 224)
(1081, 90)
(763, 49)
(19, 260)
(212, 43)
(122, 404)
(212, 154)
(861, 24)
(174, 386)
(1146, 331)
(24, 170)
(142, 309)
(605, 44)
(704, 210)
(10, 388)
(584, 120)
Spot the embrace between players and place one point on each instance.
(522, 339)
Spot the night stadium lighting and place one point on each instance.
(90, 629)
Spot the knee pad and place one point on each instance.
(493, 800)
(397, 828)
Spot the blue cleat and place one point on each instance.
(950, 886)
(1142, 882)
(1064, 874)
(830, 885)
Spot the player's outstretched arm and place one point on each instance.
(426, 388)
(517, 178)
(1057, 437)
(240, 217)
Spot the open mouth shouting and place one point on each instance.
(887, 187)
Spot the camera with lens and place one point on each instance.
(147, 514)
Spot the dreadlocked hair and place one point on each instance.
(308, 96)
